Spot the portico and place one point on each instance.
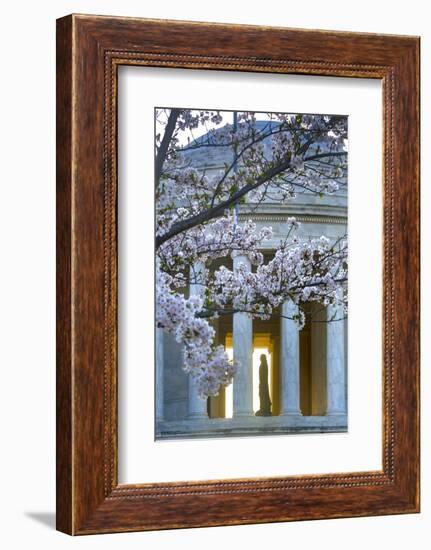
(307, 367)
(307, 377)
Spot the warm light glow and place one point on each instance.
(257, 352)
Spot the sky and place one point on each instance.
(185, 136)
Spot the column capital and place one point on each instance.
(239, 258)
(290, 309)
(239, 254)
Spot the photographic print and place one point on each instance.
(251, 273)
(210, 178)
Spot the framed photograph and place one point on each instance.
(237, 274)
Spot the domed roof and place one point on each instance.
(210, 152)
(210, 137)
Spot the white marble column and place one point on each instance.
(335, 362)
(243, 353)
(159, 375)
(196, 407)
(289, 361)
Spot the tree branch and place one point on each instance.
(218, 209)
(164, 145)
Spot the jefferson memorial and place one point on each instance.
(307, 368)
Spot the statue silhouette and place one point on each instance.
(264, 399)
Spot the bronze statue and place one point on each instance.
(265, 400)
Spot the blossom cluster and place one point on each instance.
(208, 242)
(301, 271)
(196, 224)
(208, 364)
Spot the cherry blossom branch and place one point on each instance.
(166, 140)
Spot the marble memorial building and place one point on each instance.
(307, 368)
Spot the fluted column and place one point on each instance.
(159, 375)
(289, 361)
(335, 362)
(243, 354)
(196, 407)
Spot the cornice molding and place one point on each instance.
(339, 220)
